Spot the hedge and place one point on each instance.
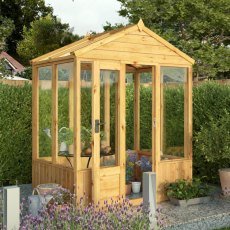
(15, 133)
(210, 102)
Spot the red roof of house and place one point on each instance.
(17, 66)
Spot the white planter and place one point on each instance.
(193, 201)
(63, 147)
(136, 187)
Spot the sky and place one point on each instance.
(87, 15)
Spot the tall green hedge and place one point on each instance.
(211, 102)
(15, 133)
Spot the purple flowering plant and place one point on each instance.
(131, 158)
(113, 214)
(144, 164)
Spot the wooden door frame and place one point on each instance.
(97, 171)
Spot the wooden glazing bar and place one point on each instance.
(54, 113)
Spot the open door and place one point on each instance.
(108, 126)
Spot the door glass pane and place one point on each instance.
(108, 117)
(45, 110)
(129, 111)
(146, 110)
(173, 82)
(65, 109)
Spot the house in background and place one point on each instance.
(13, 66)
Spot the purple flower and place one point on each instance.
(144, 164)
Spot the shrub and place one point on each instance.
(211, 106)
(15, 133)
(185, 190)
(212, 142)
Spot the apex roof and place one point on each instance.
(91, 42)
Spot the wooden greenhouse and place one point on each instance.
(98, 97)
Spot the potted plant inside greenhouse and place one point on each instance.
(185, 193)
(65, 138)
(213, 142)
(131, 158)
(144, 165)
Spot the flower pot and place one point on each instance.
(128, 188)
(49, 188)
(225, 181)
(63, 147)
(193, 201)
(136, 187)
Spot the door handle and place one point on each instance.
(97, 125)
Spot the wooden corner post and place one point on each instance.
(35, 150)
(190, 82)
(54, 113)
(156, 127)
(121, 128)
(77, 126)
(137, 111)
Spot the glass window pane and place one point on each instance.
(173, 81)
(45, 111)
(146, 110)
(65, 109)
(129, 111)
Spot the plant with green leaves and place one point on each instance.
(65, 135)
(186, 189)
(15, 133)
(44, 35)
(213, 140)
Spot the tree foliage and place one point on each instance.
(44, 35)
(200, 28)
(21, 13)
(15, 133)
(6, 28)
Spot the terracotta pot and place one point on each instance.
(128, 187)
(225, 181)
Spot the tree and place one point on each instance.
(44, 35)
(6, 28)
(22, 13)
(200, 28)
(108, 26)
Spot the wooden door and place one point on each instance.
(108, 123)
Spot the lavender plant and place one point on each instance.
(113, 214)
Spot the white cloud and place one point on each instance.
(87, 15)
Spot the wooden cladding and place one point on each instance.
(134, 49)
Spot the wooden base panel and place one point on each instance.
(170, 171)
